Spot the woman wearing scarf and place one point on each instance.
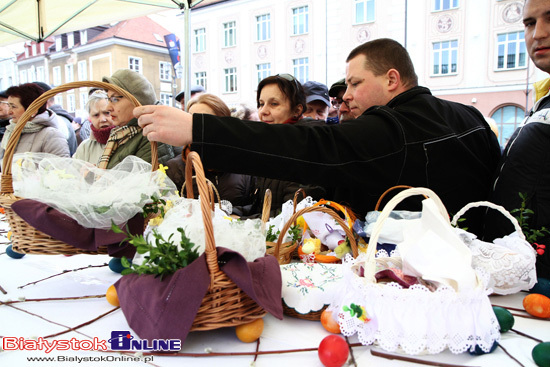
(91, 149)
(127, 138)
(40, 134)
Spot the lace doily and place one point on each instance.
(414, 320)
(309, 287)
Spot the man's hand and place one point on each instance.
(165, 124)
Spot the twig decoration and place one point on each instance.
(63, 272)
(526, 335)
(351, 352)
(509, 355)
(83, 324)
(410, 359)
(50, 299)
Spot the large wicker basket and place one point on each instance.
(25, 238)
(225, 304)
(315, 315)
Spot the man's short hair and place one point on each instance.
(384, 54)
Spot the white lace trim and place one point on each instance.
(415, 320)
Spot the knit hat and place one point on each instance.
(135, 84)
(44, 86)
(316, 91)
(337, 87)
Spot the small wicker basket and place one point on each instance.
(25, 238)
(315, 315)
(225, 304)
(286, 249)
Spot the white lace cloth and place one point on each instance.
(287, 211)
(92, 196)
(308, 287)
(414, 320)
(510, 261)
(243, 236)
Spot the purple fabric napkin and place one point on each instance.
(166, 309)
(64, 228)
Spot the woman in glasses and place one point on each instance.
(91, 149)
(281, 99)
(127, 138)
(40, 133)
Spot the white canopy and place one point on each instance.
(38, 19)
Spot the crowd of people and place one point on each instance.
(349, 142)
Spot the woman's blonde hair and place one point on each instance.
(214, 102)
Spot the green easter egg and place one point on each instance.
(541, 354)
(505, 319)
(542, 287)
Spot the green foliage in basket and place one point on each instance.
(155, 207)
(163, 259)
(522, 214)
(295, 233)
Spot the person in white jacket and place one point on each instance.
(40, 133)
(90, 150)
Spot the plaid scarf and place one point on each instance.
(118, 137)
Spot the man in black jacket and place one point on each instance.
(525, 166)
(403, 135)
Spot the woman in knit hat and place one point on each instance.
(127, 138)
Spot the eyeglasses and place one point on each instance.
(336, 102)
(5, 102)
(114, 99)
(289, 78)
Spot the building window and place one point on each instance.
(508, 118)
(264, 70)
(445, 4)
(165, 71)
(445, 57)
(364, 11)
(135, 64)
(230, 80)
(301, 69)
(57, 75)
(82, 71)
(200, 40)
(263, 27)
(71, 105)
(83, 99)
(69, 73)
(511, 51)
(32, 74)
(58, 99)
(300, 20)
(229, 34)
(40, 74)
(166, 99)
(200, 79)
(23, 76)
(58, 43)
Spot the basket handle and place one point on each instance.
(370, 262)
(501, 209)
(340, 207)
(7, 179)
(213, 190)
(323, 209)
(379, 202)
(194, 162)
(266, 207)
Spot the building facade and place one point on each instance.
(467, 51)
(136, 44)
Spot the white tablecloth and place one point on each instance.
(290, 333)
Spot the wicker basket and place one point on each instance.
(288, 249)
(225, 304)
(315, 315)
(25, 238)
